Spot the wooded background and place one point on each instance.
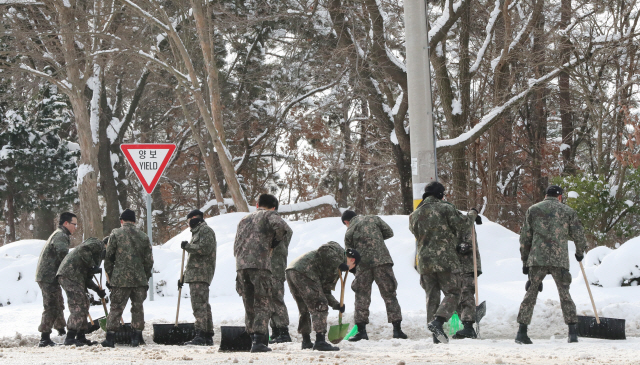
(308, 98)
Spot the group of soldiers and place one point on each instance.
(444, 247)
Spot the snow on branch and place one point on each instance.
(487, 40)
(147, 15)
(308, 205)
(64, 84)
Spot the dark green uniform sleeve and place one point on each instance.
(280, 227)
(459, 222)
(110, 258)
(91, 284)
(204, 245)
(576, 232)
(61, 248)
(387, 232)
(148, 259)
(327, 289)
(526, 236)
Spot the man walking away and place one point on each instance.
(311, 279)
(128, 264)
(436, 225)
(279, 312)
(199, 274)
(366, 234)
(544, 250)
(51, 256)
(257, 235)
(74, 275)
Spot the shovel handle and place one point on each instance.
(475, 263)
(180, 289)
(343, 281)
(90, 319)
(595, 311)
(104, 303)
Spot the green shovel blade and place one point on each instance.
(338, 332)
(103, 324)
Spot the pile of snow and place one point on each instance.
(613, 268)
(501, 284)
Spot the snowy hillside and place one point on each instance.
(501, 284)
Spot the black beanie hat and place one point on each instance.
(435, 189)
(128, 216)
(194, 213)
(348, 215)
(554, 190)
(351, 253)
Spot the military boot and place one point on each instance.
(435, 339)
(573, 333)
(275, 332)
(70, 340)
(467, 332)
(283, 335)
(362, 333)
(80, 337)
(322, 344)
(435, 327)
(521, 336)
(110, 341)
(199, 340)
(208, 338)
(136, 338)
(61, 331)
(258, 343)
(397, 331)
(306, 342)
(45, 340)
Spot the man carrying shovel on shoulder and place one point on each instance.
(311, 279)
(199, 274)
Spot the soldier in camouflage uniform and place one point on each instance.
(436, 225)
(128, 264)
(547, 227)
(366, 234)
(52, 254)
(311, 279)
(467, 305)
(74, 275)
(279, 313)
(199, 274)
(257, 235)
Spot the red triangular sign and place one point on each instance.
(148, 161)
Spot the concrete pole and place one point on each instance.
(150, 234)
(423, 140)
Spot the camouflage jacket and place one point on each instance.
(258, 233)
(366, 234)
(52, 254)
(279, 256)
(547, 227)
(436, 225)
(321, 266)
(466, 261)
(202, 255)
(129, 258)
(77, 263)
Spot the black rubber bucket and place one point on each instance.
(95, 326)
(169, 334)
(609, 328)
(234, 338)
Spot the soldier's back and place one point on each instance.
(252, 245)
(131, 261)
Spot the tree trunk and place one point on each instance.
(107, 179)
(539, 117)
(566, 114)
(45, 223)
(10, 231)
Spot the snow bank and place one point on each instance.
(18, 263)
(613, 268)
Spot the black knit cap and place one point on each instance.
(194, 213)
(554, 191)
(348, 215)
(435, 189)
(128, 216)
(351, 253)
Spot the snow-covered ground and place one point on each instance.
(501, 285)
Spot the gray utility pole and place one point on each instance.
(423, 140)
(150, 234)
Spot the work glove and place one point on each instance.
(341, 309)
(528, 284)
(109, 286)
(343, 267)
(338, 307)
(180, 284)
(579, 256)
(464, 248)
(478, 219)
(525, 270)
(101, 293)
(184, 244)
(95, 270)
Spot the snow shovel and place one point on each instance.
(599, 327)
(175, 334)
(234, 339)
(94, 324)
(481, 309)
(338, 332)
(123, 335)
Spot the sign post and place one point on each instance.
(148, 161)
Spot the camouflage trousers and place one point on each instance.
(311, 301)
(562, 277)
(199, 292)
(386, 280)
(119, 298)
(279, 312)
(78, 303)
(254, 286)
(53, 303)
(433, 284)
(467, 305)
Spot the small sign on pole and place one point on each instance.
(148, 161)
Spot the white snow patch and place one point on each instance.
(564, 146)
(83, 170)
(573, 194)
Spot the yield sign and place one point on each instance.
(148, 161)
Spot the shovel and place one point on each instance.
(94, 324)
(337, 333)
(123, 335)
(481, 309)
(599, 327)
(175, 334)
(234, 339)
